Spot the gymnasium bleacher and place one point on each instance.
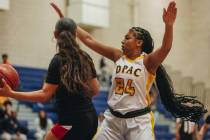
(32, 79)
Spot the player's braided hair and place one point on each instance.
(185, 107)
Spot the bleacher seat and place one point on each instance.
(47, 107)
(161, 109)
(23, 123)
(162, 128)
(53, 116)
(100, 102)
(30, 135)
(31, 78)
(162, 133)
(207, 135)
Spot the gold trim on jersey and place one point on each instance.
(152, 123)
(149, 81)
(132, 60)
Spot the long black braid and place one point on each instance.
(180, 106)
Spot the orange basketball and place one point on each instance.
(10, 75)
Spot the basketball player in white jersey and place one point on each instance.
(137, 66)
(129, 116)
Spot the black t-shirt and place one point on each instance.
(68, 105)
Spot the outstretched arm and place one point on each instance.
(92, 43)
(42, 95)
(154, 59)
(103, 49)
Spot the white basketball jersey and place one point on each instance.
(131, 83)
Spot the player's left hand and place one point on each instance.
(169, 15)
(5, 90)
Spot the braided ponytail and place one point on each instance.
(180, 106)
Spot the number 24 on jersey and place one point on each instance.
(121, 87)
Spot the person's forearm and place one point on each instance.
(101, 48)
(83, 35)
(168, 38)
(89, 41)
(34, 96)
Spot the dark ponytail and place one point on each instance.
(185, 107)
(76, 64)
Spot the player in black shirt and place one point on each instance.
(72, 77)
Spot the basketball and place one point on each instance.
(10, 75)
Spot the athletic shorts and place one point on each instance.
(137, 128)
(60, 130)
(84, 129)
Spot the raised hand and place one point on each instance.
(169, 15)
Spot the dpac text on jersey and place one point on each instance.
(128, 70)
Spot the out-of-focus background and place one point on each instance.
(26, 36)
